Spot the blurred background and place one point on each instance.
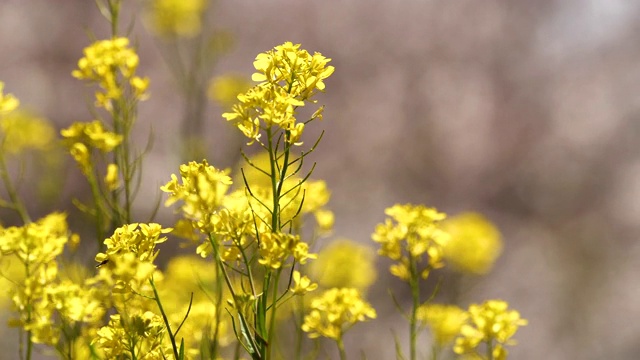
(525, 111)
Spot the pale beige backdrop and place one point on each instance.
(527, 111)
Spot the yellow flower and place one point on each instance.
(475, 243)
(336, 311)
(302, 284)
(111, 179)
(128, 260)
(445, 321)
(108, 63)
(8, 102)
(138, 336)
(182, 18)
(410, 233)
(275, 248)
(201, 189)
(92, 134)
(288, 76)
(344, 263)
(490, 323)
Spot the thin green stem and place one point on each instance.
(156, 297)
(490, 349)
(16, 202)
(340, 343)
(415, 297)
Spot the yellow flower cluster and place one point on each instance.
(490, 323)
(275, 248)
(8, 102)
(288, 76)
(475, 243)
(182, 18)
(36, 297)
(136, 337)
(411, 232)
(336, 311)
(128, 259)
(234, 217)
(110, 63)
(201, 189)
(81, 138)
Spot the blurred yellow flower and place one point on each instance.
(445, 321)
(111, 178)
(21, 130)
(344, 263)
(8, 102)
(225, 89)
(181, 18)
(475, 243)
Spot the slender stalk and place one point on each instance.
(340, 343)
(156, 297)
(18, 206)
(490, 349)
(415, 297)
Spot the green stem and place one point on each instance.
(114, 9)
(415, 297)
(340, 343)
(272, 320)
(300, 317)
(490, 349)
(100, 220)
(156, 297)
(17, 204)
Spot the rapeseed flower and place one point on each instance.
(411, 233)
(491, 323)
(335, 312)
(110, 64)
(287, 76)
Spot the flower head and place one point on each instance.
(491, 322)
(410, 233)
(287, 77)
(110, 64)
(336, 311)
